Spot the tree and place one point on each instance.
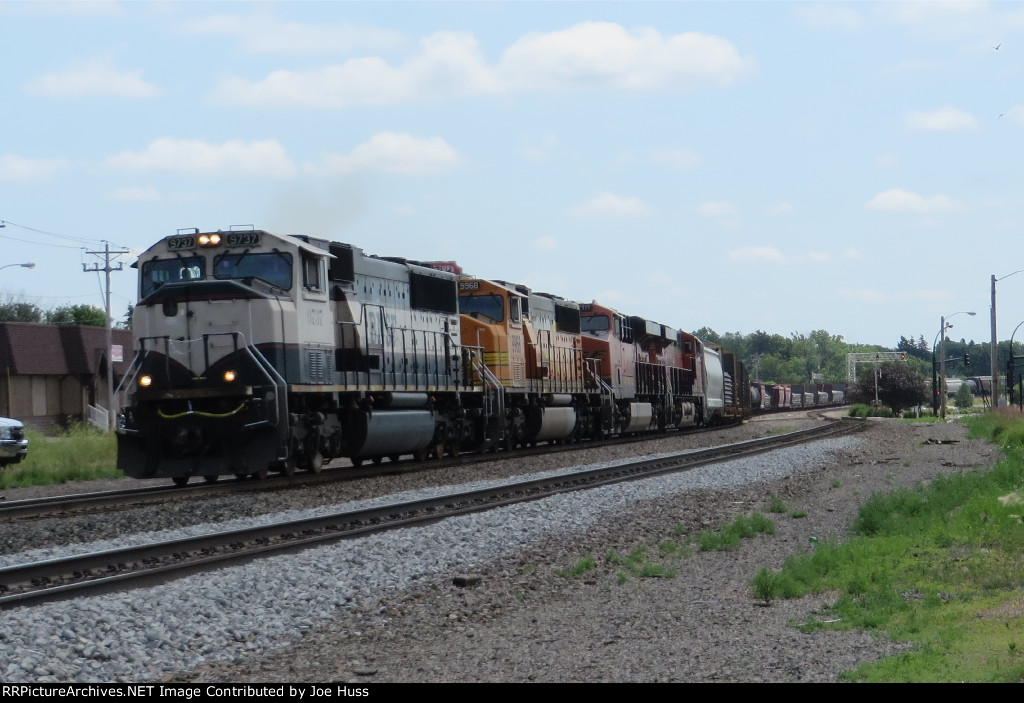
(900, 385)
(77, 315)
(126, 323)
(20, 311)
(964, 398)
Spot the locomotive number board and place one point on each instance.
(231, 239)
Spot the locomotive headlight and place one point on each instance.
(145, 381)
(230, 376)
(209, 240)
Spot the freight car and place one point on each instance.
(257, 352)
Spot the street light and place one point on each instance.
(994, 351)
(29, 265)
(942, 361)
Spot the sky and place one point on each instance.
(778, 166)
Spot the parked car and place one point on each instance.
(13, 443)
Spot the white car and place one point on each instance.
(13, 444)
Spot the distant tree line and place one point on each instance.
(19, 311)
(774, 358)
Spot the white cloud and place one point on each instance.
(392, 152)
(718, 208)
(96, 77)
(20, 168)
(605, 54)
(136, 194)
(447, 64)
(535, 149)
(853, 255)
(199, 158)
(897, 200)
(819, 257)
(783, 208)
(828, 16)
(682, 159)
(610, 205)
(945, 119)
(264, 34)
(545, 243)
(757, 255)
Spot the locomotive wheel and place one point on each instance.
(240, 476)
(180, 481)
(316, 463)
(394, 458)
(211, 479)
(288, 466)
(453, 449)
(261, 474)
(356, 460)
(421, 455)
(377, 459)
(438, 451)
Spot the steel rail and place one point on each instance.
(157, 562)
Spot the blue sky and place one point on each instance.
(782, 166)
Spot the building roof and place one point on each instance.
(33, 349)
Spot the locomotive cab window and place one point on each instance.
(490, 306)
(515, 309)
(313, 274)
(157, 273)
(595, 324)
(274, 268)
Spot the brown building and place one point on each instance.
(52, 373)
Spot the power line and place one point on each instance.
(83, 240)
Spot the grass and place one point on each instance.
(80, 453)
(729, 537)
(940, 567)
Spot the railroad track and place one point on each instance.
(149, 564)
(101, 501)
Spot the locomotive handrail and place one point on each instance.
(492, 381)
(132, 373)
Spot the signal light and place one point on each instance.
(967, 359)
(146, 381)
(903, 356)
(230, 376)
(209, 240)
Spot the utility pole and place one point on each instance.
(107, 268)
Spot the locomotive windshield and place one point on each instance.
(594, 323)
(492, 306)
(274, 268)
(160, 271)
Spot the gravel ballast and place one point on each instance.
(385, 608)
